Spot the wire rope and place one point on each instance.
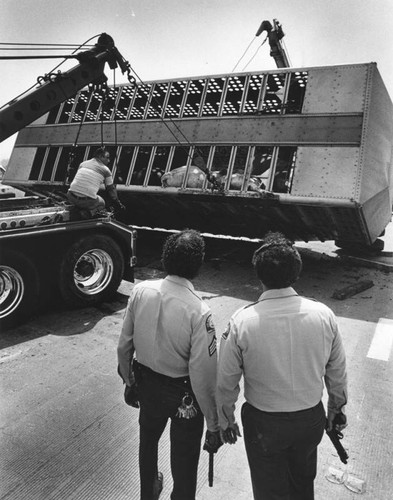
(19, 44)
(244, 53)
(256, 52)
(115, 117)
(286, 53)
(56, 67)
(209, 176)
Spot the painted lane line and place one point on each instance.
(382, 342)
(7, 356)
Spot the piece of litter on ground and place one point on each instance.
(350, 290)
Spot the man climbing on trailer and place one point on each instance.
(88, 180)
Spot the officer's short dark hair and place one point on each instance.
(277, 262)
(183, 253)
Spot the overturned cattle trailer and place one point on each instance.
(316, 141)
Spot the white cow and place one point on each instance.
(196, 179)
(254, 184)
(175, 177)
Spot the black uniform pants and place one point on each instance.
(282, 451)
(160, 397)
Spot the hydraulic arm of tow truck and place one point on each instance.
(59, 87)
(275, 34)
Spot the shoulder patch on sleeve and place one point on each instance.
(227, 332)
(210, 325)
(213, 346)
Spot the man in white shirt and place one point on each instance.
(89, 178)
(170, 331)
(285, 346)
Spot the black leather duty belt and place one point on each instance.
(148, 371)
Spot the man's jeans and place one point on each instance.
(93, 205)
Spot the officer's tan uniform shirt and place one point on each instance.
(285, 346)
(171, 330)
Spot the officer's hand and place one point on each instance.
(337, 421)
(120, 206)
(212, 441)
(131, 396)
(230, 434)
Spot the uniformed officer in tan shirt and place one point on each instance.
(169, 330)
(285, 346)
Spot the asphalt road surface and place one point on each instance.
(67, 434)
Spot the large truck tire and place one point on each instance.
(19, 288)
(90, 271)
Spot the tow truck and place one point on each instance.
(45, 245)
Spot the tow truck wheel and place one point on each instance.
(91, 271)
(19, 288)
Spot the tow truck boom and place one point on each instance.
(59, 87)
(275, 33)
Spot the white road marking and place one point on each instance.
(6, 356)
(382, 342)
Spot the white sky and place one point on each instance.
(178, 38)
